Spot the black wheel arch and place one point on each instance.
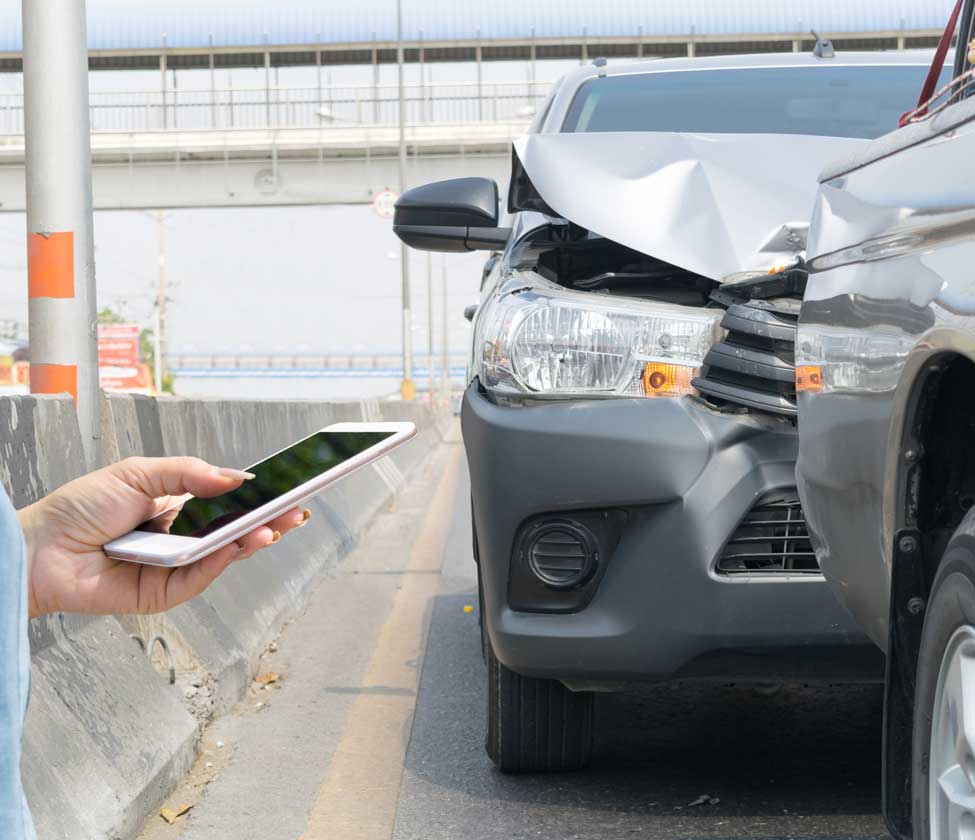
(931, 468)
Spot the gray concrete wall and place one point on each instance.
(107, 736)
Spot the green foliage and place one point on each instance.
(110, 316)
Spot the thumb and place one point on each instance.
(155, 477)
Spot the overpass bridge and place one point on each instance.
(280, 146)
(319, 144)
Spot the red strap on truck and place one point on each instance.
(934, 72)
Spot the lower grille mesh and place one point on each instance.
(771, 539)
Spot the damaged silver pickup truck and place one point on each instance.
(630, 420)
(886, 373)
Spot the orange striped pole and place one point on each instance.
(60, 241)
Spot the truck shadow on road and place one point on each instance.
(792, 762)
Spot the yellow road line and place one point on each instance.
(358, 798)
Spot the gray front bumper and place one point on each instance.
(660, 610)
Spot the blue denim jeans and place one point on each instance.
(15, 821)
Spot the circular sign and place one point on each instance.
(267, 181)
(384, 203)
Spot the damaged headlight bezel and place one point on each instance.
(516, 353)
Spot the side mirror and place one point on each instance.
(456, 216)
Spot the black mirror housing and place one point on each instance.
(455, 216)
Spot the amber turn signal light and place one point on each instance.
(665, 380)
(809, 378)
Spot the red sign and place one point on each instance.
(119, 365)
(137, 378)
(119, 330)
(118, 353)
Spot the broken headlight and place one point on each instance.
(546, 341)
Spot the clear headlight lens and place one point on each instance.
(547, 341)
(837, 359)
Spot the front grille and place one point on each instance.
(754, 365)
(559, 556)
(771, 539)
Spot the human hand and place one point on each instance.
(69, 572)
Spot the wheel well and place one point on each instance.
(936, 486)
(939, 454)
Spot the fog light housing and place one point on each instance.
(561, 555)
(559, 558)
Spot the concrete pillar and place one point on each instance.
(159, 371)
(430, 321)
(60, 243)
(267, 84)
(175, 99)
(375, 81)
(444, 337)
(162, 85)
(406, 386)
(213, 87)
(422, 98)
(480, 77)
(534, 63)
(318, 70)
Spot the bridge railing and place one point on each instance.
(299, 361)
(297, 107)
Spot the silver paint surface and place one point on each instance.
(714, 204)
(892, 247)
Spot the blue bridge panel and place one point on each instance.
(118, 25)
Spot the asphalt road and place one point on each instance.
(374, 729)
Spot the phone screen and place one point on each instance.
(273, 477)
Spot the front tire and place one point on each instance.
(943, 753)
(534, 725)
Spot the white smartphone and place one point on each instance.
(196, 527)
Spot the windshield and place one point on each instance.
(838, 101)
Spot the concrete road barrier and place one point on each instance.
(107, 735)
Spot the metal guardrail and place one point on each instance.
(304, 107)
(420, 374)
(353, 362)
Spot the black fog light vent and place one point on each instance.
(771, 540)
(558, 559)
(561, 555)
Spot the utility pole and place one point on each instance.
(407, 390)
(159, 369)
(430, 321)
(60, 243)
(445, 337)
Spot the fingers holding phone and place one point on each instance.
(269, 497)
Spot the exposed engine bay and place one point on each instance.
(760, 287)
(573, 257)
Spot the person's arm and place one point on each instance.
(65, 532)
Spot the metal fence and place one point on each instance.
(305, 107)
(199, 362)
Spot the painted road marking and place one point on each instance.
(358, 798)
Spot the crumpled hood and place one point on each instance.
(714, 204)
